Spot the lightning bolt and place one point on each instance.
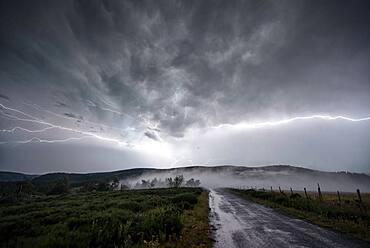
(246, 125)
(39, 140)
(17, 111)
(37, 107)
(36, 120)
(12, 130)
(25, 117)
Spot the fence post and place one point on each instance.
(305, 193)
(291, 191)
(280, 190)
(319, 190)
(359, 195)
(340, 202)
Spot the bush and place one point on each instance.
(185, 200)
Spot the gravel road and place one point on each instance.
(240, 223)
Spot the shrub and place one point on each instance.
(185, 200)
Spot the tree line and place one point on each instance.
(170, 182)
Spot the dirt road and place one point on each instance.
(241, 223)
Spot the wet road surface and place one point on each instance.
(241, 223)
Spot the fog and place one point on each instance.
(285, 177)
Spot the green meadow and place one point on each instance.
(121, 218)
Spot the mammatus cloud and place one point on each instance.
(152, 74)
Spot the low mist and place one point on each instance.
(285, 177)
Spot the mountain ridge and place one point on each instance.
(6, 176)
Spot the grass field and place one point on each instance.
(348, 216)
(332, 197)
(130, 218)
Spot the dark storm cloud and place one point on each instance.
(5, 97)
(164, 69)
(184, 63)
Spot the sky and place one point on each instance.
(114, 84)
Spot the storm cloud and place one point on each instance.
(129, 67)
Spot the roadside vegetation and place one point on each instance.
(196, 229)
(129, 218)
(103, 213)
(345, 212)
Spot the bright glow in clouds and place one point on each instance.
(154, 148)
(146, 145)
(165, 152)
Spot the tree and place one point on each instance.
(153, 183)
(175, 182)
(169, 182)
(178, 181)
(115, 183)
(192, 183)
(145, 183)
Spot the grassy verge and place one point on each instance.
(196, 225)
(133, 218)
(351, 217)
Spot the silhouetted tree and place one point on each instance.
(192, 183)
(169, 182)
(153, 183)
(115, 183)
(178, 180)
(145, 183)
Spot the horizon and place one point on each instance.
(111, 85)
(182, 167)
